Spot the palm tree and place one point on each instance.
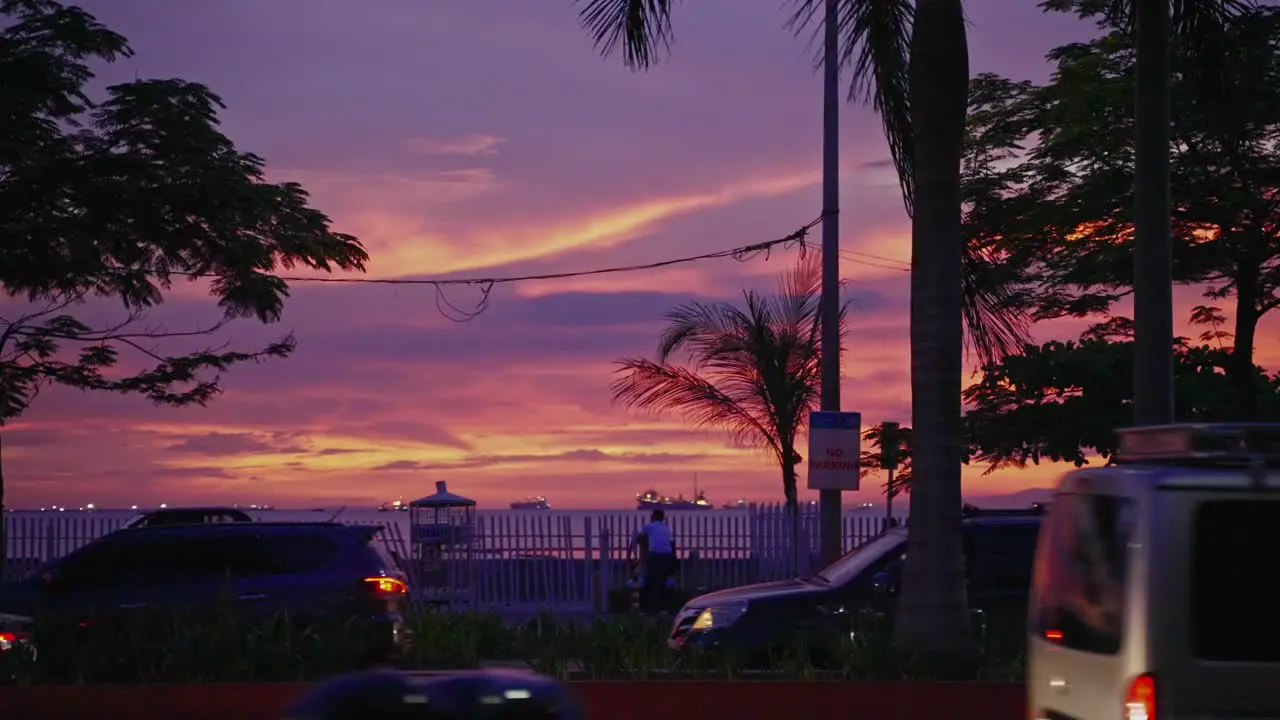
(922, 105)
(752, 371)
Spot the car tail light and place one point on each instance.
(386, 586)
(8, 639)
(1140, 700)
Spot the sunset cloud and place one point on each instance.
(474, 144)
(387, 213)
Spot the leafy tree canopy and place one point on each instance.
(1063, 401)
(115, 200)
(1055, 184)
(873, 466)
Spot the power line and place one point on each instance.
(742, 253)
(450, 311)
(882, 258)
(855, 256)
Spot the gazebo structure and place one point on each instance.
(441, 542)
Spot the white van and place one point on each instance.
(1149, 596)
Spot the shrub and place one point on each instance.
(224, 647)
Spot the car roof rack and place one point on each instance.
(1201, 444)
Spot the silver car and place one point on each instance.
(1149, 591)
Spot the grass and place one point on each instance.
(222, 647)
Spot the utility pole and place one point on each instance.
(829, 501)
(1153, 248)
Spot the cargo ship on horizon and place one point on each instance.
(531, 503)
(651, 500)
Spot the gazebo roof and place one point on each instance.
(442, 499)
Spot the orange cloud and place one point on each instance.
(384, 210)
(607, 228)
(474, 144)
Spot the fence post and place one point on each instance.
(692, 570)
(605, 573)
(50, 543)
(588, 564)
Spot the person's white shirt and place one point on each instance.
(659, 537)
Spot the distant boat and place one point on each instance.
(394, 505)
(739, 505)
(651, 500)
(531, 503)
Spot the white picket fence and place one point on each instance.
(544, 561)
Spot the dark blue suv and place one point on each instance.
(312, 571)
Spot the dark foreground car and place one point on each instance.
(322, 572)
(822, 610)
(465, 695)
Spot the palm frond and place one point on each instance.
(699, 329)
(799, 297)
(661, 388)
(875, 40)
(996, 326)
(641, 29)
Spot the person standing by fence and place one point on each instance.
(659, 562)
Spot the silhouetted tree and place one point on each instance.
(1062, 401)
(873, 460)
(1066, 213)
(115, 200)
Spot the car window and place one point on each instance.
(167, 559)
(172, 518)
(849, 567)
(1000, 556)
(174, 559)
(187, 517)
(1081, 570)
(1232, 612)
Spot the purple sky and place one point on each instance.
(485, 137)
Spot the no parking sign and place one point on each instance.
(835, 447)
